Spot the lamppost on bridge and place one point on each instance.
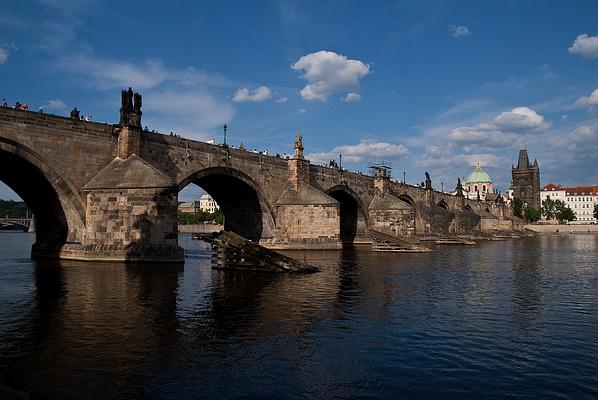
(403, 177)
(225, 128)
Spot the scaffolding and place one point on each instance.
(381, 168)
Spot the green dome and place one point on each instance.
(478, 176)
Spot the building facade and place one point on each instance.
(526, 180)
(581, 199)
(208, 204)
(189, 207)
(478, 184)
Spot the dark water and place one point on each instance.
(512, 319)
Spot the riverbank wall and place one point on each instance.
(200, 228)
(552, 229)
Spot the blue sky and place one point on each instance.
(430, 85)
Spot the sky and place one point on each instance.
(435, 86)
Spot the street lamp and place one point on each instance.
(225, 128)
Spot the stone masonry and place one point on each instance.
(109, 192)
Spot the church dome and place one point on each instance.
(478, 176)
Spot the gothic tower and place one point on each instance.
(526, 180)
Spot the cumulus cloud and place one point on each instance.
(3, 55)
(54, 104)
(327, 72)
(258, 95)
(507, 130)
(365, 149)
(352, 97)
(520, 118)
(585, 45)
(583, 139)
(459, 30)
(590, 101)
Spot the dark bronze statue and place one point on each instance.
(130, 109)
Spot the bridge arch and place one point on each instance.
(246, 212)
(407, 199)
(58, 208)
(353, 216)
(443, 204)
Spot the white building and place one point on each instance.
(478, 183)
(207, 204)
(581, 199)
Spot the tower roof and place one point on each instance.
(523, 162)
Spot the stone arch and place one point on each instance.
(246, 211)
(353, 216)
(407, 199)
(443, 204)
(468, 207)
(58, 208)
(487, 210)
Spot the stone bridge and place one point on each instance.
(110, 192)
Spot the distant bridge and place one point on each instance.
(25, 223)
(110, 192)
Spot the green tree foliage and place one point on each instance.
(13, 209)
(531, 214)
(549, 208)
(557, 209)
(200, 217)
(565, 214)
(518, 207)
(596, 211)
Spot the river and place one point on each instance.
(507, 319)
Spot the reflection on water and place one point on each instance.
(503, 319)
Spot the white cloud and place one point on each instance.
(189, 113)
(510, 129)
(3, 55)
(258, 95)
(583, 139)
(588, 101)
(327, 72)
(302, 110)
(365, 149)
(459, 30)
(352, 97)
(108, 74)
(520, 118)
(282, 99)
(54, 104)
(585, 45)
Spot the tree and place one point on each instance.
(564, 213)
(596, 211)
(518, 207)
(549, 208)
(531, 214)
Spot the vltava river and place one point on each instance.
(511, 319)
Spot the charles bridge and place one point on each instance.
(110, 192)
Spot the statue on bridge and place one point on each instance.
(130, 109)
(428, 183)
(459, 189)
(299, 146)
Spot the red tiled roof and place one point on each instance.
(551, 187)
(582, 190)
